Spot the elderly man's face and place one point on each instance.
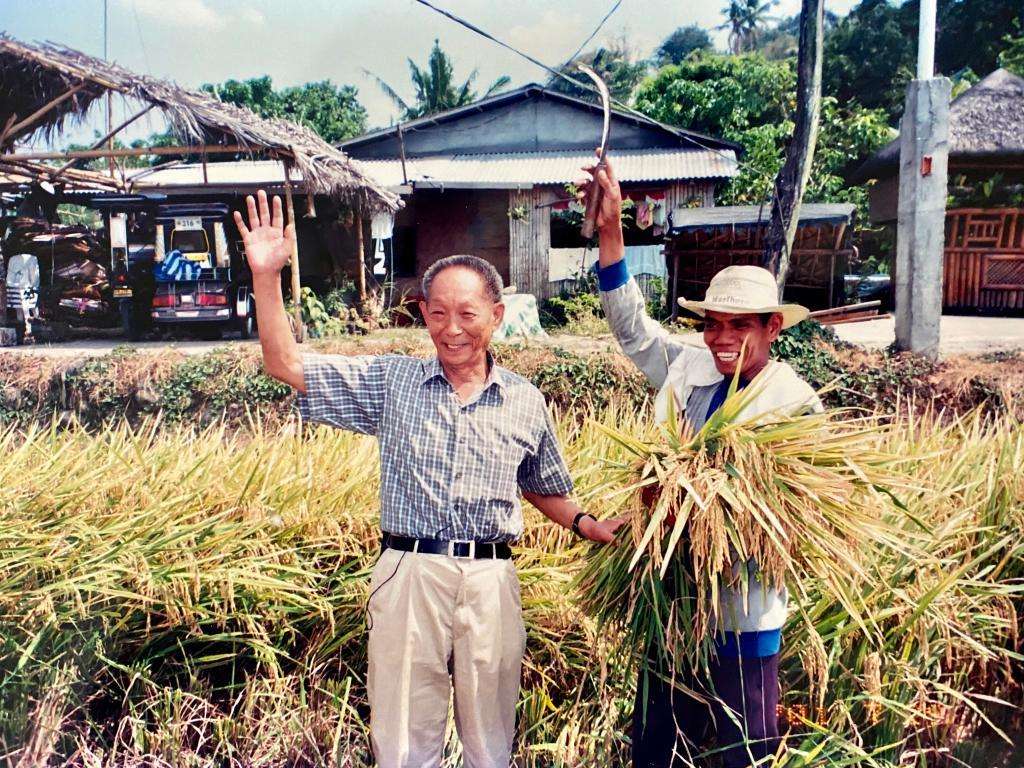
(725, 334)
(460, 316)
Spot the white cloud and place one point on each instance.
(252, 16)
(552, 37)
(181, 13)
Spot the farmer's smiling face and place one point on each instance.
(460, 316)
(725, 334)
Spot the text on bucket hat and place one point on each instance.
(746, 290)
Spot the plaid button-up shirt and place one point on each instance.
(449, 470)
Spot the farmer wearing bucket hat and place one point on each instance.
(745, 290)
(742, 317)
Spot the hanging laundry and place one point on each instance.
(659, 212)
(382, 227)
(646, 260)
(644, 215)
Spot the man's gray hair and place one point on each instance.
(486, 270)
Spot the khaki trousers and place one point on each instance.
(438, 622)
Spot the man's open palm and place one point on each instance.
(268, 243)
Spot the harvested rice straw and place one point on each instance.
(799, 496)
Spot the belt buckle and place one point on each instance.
(471, 547)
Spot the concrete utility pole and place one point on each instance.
(796, 170)
(921, 227)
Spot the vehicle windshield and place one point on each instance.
(190, 241)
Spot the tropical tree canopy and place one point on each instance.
(333, 112)
(616, 63)
(435, 87)
(871, 54)
(1012, 57)
(751, 100)
(681, 44)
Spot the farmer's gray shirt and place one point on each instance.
(449, 470)
(653, 349)
(697, 405)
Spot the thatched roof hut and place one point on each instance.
(44, 86)
(986, 129)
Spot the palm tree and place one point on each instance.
(734, 23)
(744, 20)
(755, 17)
(616, 63)
(435, 86)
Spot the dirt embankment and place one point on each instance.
(228, 383)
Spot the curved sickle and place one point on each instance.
(594, 190)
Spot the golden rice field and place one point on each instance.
(180, 597)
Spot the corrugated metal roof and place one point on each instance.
(238, 172)
(496, 171)
(749, 215)
(525, 169)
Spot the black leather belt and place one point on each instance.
(473, 550)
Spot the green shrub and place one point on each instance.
(571, 381)
(320, 323)
(809, 347)
(210, 384)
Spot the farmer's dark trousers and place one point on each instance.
(741, 713)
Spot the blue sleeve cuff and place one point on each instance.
(613, 276)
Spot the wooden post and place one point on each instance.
(110, 134)
(832, 283)
(300, 329)
(10, 130)
(111, 163)
(361, 263)
(401, 154)
(3, 292)
(796, 170)
(674, 298)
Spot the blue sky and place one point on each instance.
(197, 41)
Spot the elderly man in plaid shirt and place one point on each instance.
(460, 438)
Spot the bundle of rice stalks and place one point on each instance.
(775, 501)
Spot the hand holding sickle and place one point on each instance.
(594, 193)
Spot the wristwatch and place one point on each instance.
(576, 521)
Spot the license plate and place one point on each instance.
(188, 223)
(187, 299)
(122, 293)
(186, 314)
(200, 258)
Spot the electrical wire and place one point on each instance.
(142, 45)
(473, 28)
(582, 84)
(590, 87)
(593, 34)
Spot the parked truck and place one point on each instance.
(173, 265)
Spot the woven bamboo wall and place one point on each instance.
(984, 260)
